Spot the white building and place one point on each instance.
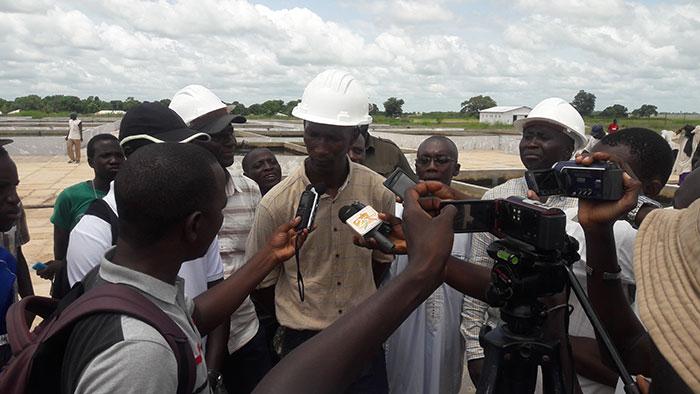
(503, 114)
(110, 112)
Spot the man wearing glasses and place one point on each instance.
(424, 355)
(552, 132)
(245, 358)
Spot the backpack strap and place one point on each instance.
(106, 298)
(102, 210)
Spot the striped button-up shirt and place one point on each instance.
(243, 196)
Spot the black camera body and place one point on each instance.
(525, 220)
(599, 181)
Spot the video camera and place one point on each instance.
(599, 181)
(527, 221)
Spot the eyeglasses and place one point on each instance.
(439, 160)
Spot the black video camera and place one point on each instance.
(527, 221)
(599, 181)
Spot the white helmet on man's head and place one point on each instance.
(195, 101)
(559, 113)
(334, 97)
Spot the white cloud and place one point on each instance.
(432, 54)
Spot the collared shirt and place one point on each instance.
(383, 156)
(242, 197)
(92, 236)
(139, 359)
(425, 354)
(337, 274)
(475, 313)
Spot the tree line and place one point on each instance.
(584, 102)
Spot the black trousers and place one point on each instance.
(245, 368)
(372, 379)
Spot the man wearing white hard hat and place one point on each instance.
(245, 359)
(552, 132)
(336, 274)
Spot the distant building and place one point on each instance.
(14, 112)
(503, 114)
(110, 112)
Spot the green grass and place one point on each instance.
(40, 114)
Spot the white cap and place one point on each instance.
(193, 101)
(334, 97)
(559, 113)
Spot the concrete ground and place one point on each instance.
(43, 177)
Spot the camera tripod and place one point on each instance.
(516, 348)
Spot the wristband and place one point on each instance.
(607, 276)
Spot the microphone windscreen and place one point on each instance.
(347, 211)
(320, 188)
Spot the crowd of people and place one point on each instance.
(260, 306)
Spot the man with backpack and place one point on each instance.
(164, 221)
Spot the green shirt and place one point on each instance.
(383, 156)
(72, 203)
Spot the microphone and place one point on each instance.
(365, 221)
(308, 204)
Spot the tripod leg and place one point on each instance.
(508, 368)
(552, 374)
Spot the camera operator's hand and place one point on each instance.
(592, 214)
(432, 193)
(396, 236)
(285, 239)
(428, 239)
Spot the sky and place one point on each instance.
(432, 54)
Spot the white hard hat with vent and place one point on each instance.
(193, 101)
(334, 97)
(559, 113)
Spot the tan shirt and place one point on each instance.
(337, 274)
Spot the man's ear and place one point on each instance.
(192, 226)
(456, 170)
(653, 188)
(91, 162)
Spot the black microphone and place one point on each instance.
(365, 221)
(308, 204)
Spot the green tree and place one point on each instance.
(392, 107)
(645, 111)
(615, 111)
(116, 105)
(165, 102)
(238, 108)
(272, 107)
(584, 102)
(256, 109)
(475, 104)
(130, 103)
(373, 109)
(28, 103)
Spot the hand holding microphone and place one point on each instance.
(366, 222)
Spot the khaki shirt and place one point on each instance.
(383, 156)
(337, 274)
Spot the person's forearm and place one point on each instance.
(588, 363)
(217, 341)
(467, 278)
(60, 242)
(24, 282)
(216, 305)
(611, 305)
(333, 358)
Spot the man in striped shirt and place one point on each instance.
(247, 358)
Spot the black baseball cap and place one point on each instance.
(156, 123)
(5, 141)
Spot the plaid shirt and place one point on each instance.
(475, 314)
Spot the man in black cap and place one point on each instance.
(143, 125)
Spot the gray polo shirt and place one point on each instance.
(136, 358)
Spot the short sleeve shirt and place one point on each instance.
(337, 274)
(383, 157)
(72, 203)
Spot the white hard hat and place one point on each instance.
(560, 113)
(334, 97)
(193, 101)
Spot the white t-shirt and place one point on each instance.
(74, 129)
(92, 236)
(579, 325)
(426, 353)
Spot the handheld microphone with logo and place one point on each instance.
(308, 204)
(365, 221)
